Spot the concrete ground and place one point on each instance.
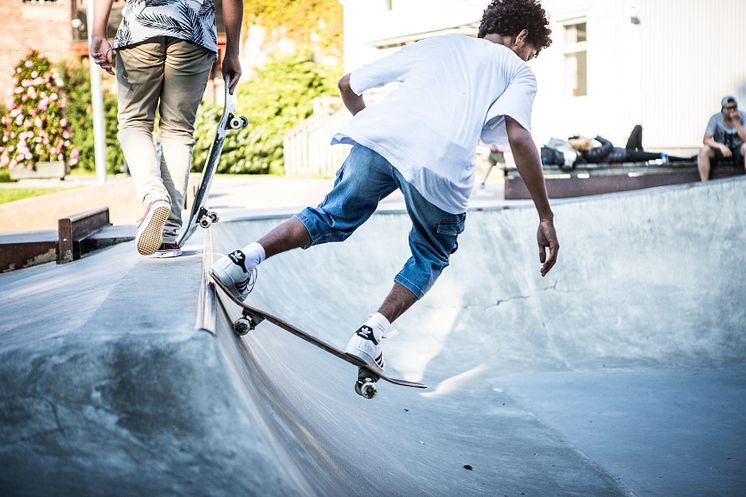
(622, 373)
(258, 194)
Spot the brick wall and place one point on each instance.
(44, 26)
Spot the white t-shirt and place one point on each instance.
(454, 89)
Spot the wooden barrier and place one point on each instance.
(74, 229)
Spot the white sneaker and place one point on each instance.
(231, 271)
(364, 346)
(150, 230)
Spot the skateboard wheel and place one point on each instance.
(366, 388)
(243, 326)
(205, 222)
(214, 217)
(238, 122)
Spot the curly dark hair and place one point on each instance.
(509, 17)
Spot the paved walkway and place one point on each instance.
(257, 194)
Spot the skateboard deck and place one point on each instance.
(200, 215)
(368, 372)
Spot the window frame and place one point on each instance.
(573, 49)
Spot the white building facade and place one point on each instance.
(664, 64)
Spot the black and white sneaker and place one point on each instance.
(231, 270)
(365, 347)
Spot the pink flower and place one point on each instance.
(35, 74)
(28, 63)
(66, 134)
(26, 83)
(63, 122)
(53, 97)
(60, 157)
(19, 120)
(38, 122)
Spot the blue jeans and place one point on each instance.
(365, 179)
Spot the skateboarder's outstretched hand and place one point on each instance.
(101, 52)
(546, 236)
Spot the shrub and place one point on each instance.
(35, 127)
(276, 99)
(79, 112)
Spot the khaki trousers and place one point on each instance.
(170, 75)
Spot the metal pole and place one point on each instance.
(99, 130)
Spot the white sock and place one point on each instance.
(379, 324)
(255, 254)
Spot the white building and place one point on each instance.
(613, 63)
(664, 64)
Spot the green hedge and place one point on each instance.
(79, 112)
(277, 98)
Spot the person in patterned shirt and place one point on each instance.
(164, 51)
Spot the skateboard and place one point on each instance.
(368, 372)
(200, 215)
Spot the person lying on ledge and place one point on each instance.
(608, 153)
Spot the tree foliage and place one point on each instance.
(80, 111)
(308, 22)
(276, 99)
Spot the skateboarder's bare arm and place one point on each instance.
(529, 166)
(232, 16)
(352, 100)
(100, 48)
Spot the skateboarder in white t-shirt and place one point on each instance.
(421, 140)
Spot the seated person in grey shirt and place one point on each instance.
(724, 138)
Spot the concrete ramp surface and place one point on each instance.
(621, 373)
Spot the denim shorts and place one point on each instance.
(362, 182)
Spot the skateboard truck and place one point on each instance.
(207, 218)
(237, 122)
(365, 386)
(246, 323)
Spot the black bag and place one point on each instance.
(552, 157)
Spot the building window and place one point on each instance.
(576, 58)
